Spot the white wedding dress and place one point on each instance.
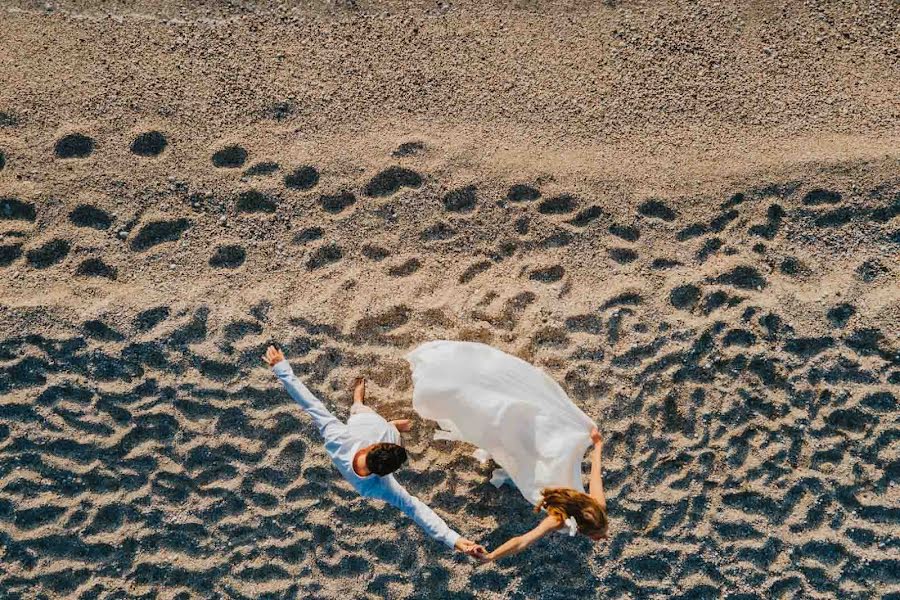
(512, 411)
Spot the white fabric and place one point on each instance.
(359, 407)
(499, 477)
(481, 455)
(366, 424)
(571, 526)
(509, 408)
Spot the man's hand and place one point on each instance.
(273, 356)
(470, 548)
(595, 436)
(402, 425)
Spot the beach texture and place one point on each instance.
(687, 213)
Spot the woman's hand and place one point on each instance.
(596, 437)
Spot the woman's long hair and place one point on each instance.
(563, 503)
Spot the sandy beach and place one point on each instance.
(686, 213)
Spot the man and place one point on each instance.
(366, 450)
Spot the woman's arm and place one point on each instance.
(596, 483)
(520, 542)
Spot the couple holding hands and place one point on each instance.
(513, 412)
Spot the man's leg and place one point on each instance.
(359, 390)
(359, 397)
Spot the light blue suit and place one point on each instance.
(343, 440)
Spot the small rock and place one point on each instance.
(123, 234)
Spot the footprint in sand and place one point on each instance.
(229, 157)
(74, 145)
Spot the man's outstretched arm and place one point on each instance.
(427, 519)
(299, 392)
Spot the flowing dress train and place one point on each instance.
(512, 411)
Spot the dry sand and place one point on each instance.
(686, 213)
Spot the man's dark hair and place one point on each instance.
(383, 459)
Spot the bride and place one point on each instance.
(517, 415)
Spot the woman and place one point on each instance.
(517, 415)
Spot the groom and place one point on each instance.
(366, 450)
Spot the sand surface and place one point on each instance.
(688, 214)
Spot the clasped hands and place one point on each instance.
(470, 548)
